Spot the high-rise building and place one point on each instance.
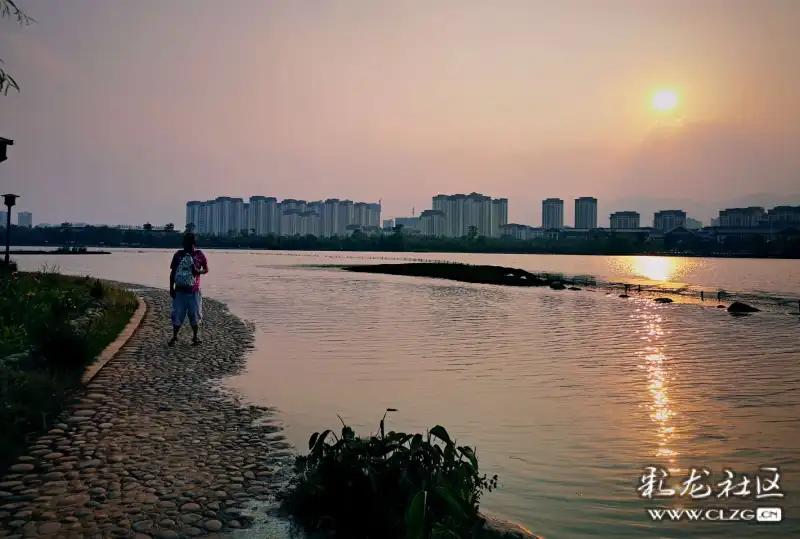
(552, 213)
(25, 218)
(247, 226)
(290, 222)
(265, 215)
(329, 218)
(741, 217)
(3, 219)
(461, 212)
(666, 220)
(585, 213)
(256, 209)
(499, 216)
(432, 223)
(624, 220)
(237, 220)
(373, 214)
(346, 217)
(784, 215)
(388, 224)
(193, 208)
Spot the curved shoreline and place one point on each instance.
(152, 448)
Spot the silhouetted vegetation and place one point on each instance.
(599, 243)
(10, 10)
(388, 486)
(60, 251)
(467, 273)
(71, 250)
(51, 328)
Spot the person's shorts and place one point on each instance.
(187, 303)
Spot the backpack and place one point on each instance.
(184, 276)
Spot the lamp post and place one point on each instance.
(9, 200)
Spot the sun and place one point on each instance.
(665, 100)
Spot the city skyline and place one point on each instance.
(393, 103)
(369, 214)
(263, 215)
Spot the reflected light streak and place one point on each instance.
(660, 408)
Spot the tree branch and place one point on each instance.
(10, 10)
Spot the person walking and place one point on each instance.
(187, 265)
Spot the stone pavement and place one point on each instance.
(152, 448)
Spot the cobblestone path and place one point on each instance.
(151, 448)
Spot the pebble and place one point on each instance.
(213, 525)
(150, 441)
(49, 528)
(142, 526)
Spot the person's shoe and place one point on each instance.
(196, 342)
(172, 341)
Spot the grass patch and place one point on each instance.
(51, 328)
(388, 486)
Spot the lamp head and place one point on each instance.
(4, 144)
(9, 199)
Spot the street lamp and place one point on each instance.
(4, 144)
(9, 200)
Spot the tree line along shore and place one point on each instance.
(600, 243)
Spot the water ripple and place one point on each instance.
(567, 395)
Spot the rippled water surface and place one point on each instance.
(567, 395)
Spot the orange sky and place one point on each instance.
(128, 109)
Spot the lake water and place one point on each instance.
(567, 395)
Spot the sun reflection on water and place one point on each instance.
(661, 269)
(659, 405)
(655, 268)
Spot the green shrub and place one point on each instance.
(55, 325)
(63, 348)
(388, 486)
(97, 290)
(29, 400)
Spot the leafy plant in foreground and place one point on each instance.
(388, 485)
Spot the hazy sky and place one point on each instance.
(130, 108)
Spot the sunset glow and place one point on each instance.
(400, 102)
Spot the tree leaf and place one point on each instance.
(440, 432)
(445, 495)
(320, 441)
(470, 454)
(313, 441)
(415, 516)
(416, 442)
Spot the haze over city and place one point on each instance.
(128, 110)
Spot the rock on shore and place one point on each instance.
(152, 448)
